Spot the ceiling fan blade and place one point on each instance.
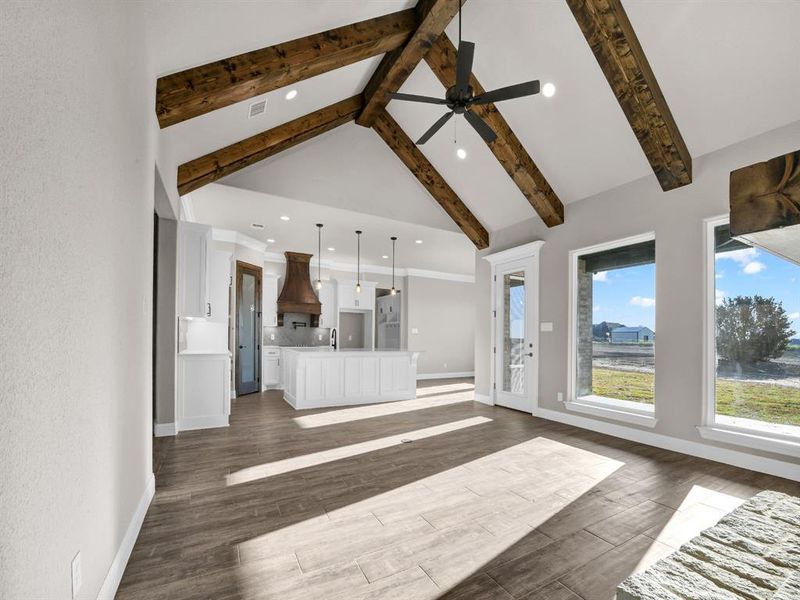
(480, 126)
(416, 98)
(434, 128)
(529, 88)
(466, 51)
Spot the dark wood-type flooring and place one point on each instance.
(481, 503)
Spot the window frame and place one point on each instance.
(609, 408)
(759, 438)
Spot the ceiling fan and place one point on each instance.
(460, 97)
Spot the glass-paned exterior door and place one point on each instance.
(515, 332)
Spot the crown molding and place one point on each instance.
(234, 237)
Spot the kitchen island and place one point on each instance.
(320, 377)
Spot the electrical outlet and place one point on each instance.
(77, 577)
(560, 397)
(445, 365)
(319, 337)
(349, 338)
(271, 336)
(414, 330)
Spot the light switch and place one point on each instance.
(545, 326)
(414, 330)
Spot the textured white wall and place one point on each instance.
(639, 207)
(76, 199)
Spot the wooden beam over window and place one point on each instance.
(200, 90)
(211, 167)
(507, 148)
(615, 46)
(408, 152)
(433, 16)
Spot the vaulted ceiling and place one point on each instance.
(726, 71)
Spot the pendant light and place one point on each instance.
(318, 282)
(358, 264)
(393, 291)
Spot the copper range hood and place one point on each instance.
(298, 295)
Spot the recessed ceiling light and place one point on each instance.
(256, 225)
(291, 94)
(548, 90)
(385, 256)
(270, 241)
(461, 153)
(284, 218)
(331, 249)
(418, 241)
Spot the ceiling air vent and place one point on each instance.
(257, 108)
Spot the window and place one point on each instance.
(613, 330)
(753, 343)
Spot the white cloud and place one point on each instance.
(719, 275)
(601, 276)
(720, 297)
(741, 257)
(596, 309)
(643, 301)
(754, 267)
(795, 316)
(745, 258)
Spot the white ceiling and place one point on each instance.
(236, 209)
(727, 70)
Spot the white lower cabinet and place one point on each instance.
(270, 368)
(204, 390)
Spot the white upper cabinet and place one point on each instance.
(327, 297)
(219, 283)
(269, 300)
(193, 244)
(348, 298)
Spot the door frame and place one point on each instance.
(526, 255)
(258, 272)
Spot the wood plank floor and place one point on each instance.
(438, 497)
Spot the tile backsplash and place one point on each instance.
(288, 335)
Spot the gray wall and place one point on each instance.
(443, 312)
(76, 240)
(639, 207)
(351, 330)
(166, 320)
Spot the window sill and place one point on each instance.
(751, 438)
(619, 410)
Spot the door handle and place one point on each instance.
(240, 347)
(530, 354)
(208, 314)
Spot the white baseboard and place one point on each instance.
(191, 423)
(114, 575)
(164, 429)
(736, 458)
(453, 375)
(484, 399)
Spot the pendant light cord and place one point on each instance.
(460, 2)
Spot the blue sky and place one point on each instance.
(628, 295)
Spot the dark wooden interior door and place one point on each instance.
(248, 328)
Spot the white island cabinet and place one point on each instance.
(318, 377)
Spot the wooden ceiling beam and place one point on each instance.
(408, 152)
(610, 35)
(433, 16)
(200, 90)
(507, 148)
(211, 167)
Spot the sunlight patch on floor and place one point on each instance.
(448, 524)
(318, 458)
(700, 509)
(358, 413)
